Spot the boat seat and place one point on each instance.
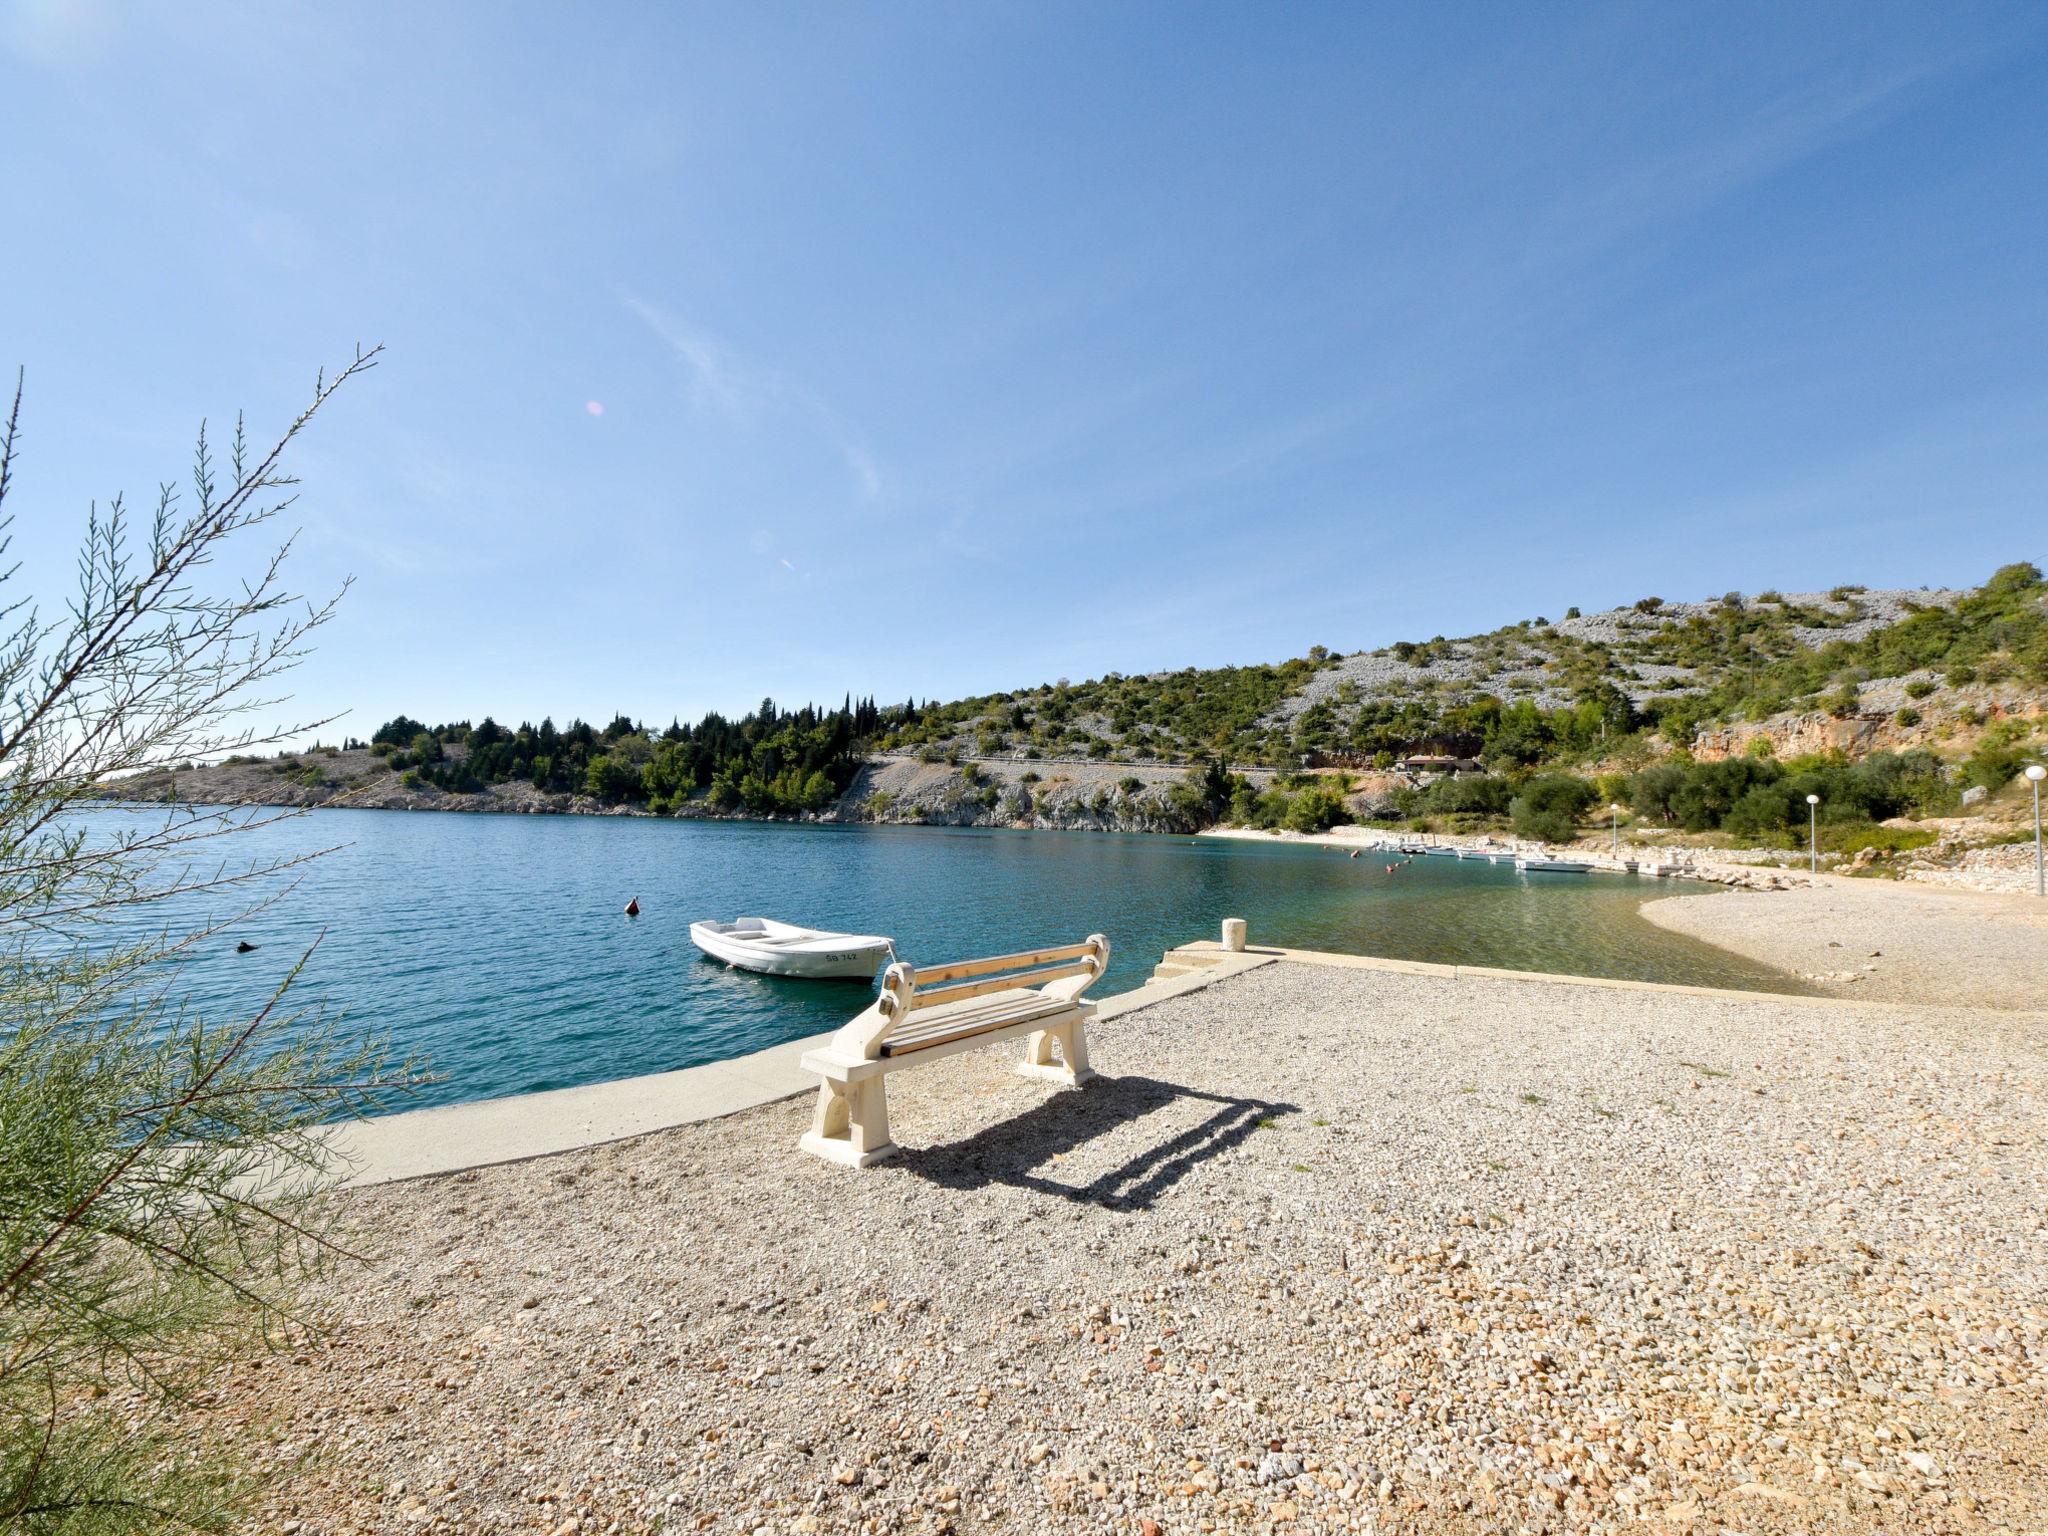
(925, 1013)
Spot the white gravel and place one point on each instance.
(1325, 1249)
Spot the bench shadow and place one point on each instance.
(1013, 1151)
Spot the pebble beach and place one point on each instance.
(1901, 941)
(1325, 1248)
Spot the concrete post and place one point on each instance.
(1233, 935)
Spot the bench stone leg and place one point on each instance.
(851, 1123)
(1071, 1065)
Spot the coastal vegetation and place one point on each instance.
(1171, 716)
(1644, 677)
(159, 1166)
(771, 761)
(1754, 800)
(1823, 693)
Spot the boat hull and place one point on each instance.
(792, 951)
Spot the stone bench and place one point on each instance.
(925, 1013)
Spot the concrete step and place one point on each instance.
(1178, 963)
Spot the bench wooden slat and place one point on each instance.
(960, 970)
(999, 1011)
(939, 997)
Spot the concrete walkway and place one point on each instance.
(424, 1142)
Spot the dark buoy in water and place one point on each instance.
(244, 947)
(633, 907)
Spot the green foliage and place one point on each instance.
(772, 762)
(1997, 758)
(1316, 809)
(1758, 799)
(1548, 807)
(160, 1166)
(1466, 795)
(1175, 715)
(1751, 660)
(2003, 625)
(1205, 795)
(1853, 838)
(396, 733)
(1313, 805)
(610, 779)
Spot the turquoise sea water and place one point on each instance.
(497, 944)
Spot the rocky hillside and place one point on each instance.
(353, 779)
(1649, 650)
(1959, 677)
(1903, 668)
(895, 790)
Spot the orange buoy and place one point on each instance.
(633, 907)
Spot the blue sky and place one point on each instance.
(942, 349)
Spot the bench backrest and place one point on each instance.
(1063, 973)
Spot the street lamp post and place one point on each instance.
(1813, 832)
(2035, 775)
(1616, 829)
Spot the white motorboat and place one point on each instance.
(783, 949)
(1554, 866)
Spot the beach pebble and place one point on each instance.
(1413, 1253)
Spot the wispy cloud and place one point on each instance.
(1506, 300)
(1779, 134)
(745, 393)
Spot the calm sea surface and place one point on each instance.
(496, 944)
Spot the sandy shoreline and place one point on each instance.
(1882, 939)
(1886, 940)
(1322, 1250)
(1698, 863)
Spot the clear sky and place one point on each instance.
(770, 349)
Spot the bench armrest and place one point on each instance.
(861, 1037)
(1070, 988)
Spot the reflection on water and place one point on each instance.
(497, 944)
